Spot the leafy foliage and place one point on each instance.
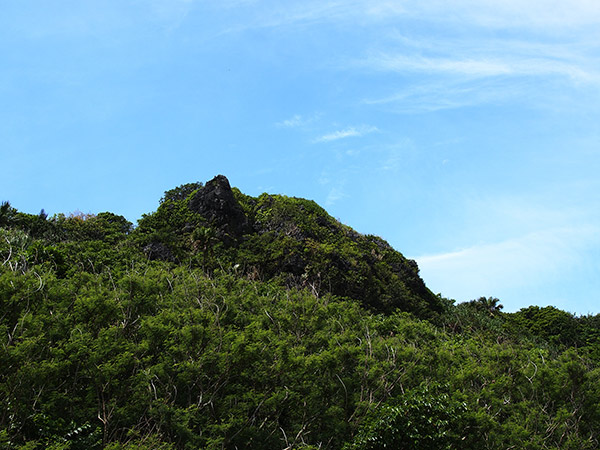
(276, 237)
(284, 332)
(421, 420)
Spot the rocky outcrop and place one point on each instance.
(217, 204)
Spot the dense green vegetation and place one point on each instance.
(226, 321)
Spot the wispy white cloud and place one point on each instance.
(479, 71)
(335, 194)
(297, 121)
(438, 95)
(538, 14)
(346, 133)
(494, 268)
(493, 65)
(416, 63)
(292, 122)
(512, 245)
(542, 46)
(544, 15)
(340, 134)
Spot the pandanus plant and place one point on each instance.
(203, 239)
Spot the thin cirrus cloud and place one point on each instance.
(346, 133)
(541, 15)
(518, 72)
(435, 96)
(490, 66)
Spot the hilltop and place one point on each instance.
(288, 238)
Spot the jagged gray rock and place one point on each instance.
(217, 204)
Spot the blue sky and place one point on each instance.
(466, 133)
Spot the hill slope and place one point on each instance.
(292, 239)
(226, 322)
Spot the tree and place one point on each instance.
(204, 238)
(6, 213)
(421, 420)
(489, 304)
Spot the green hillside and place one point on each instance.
(224, 321)
(289, 239)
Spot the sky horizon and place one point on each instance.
(466, 134)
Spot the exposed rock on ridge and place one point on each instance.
(217, 204)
